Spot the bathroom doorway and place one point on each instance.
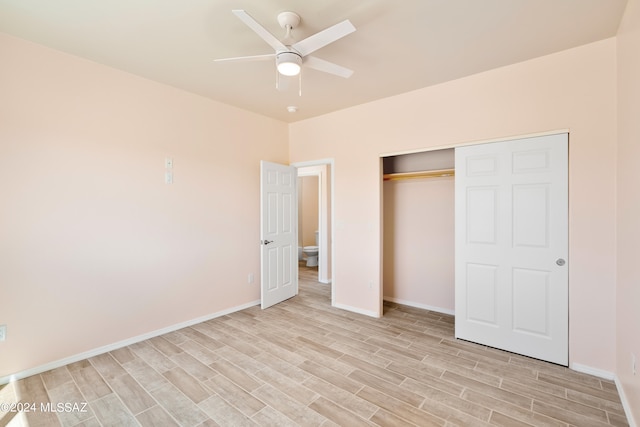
(315, 213)
(308, 220)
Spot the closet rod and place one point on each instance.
(420, 174)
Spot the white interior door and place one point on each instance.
(511, 276)
(279, 233)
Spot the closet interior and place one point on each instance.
(418, 223)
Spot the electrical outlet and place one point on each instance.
(168, 177)
(250, 278)
(633, 363)
(3, 332)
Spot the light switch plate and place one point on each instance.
(168, 163)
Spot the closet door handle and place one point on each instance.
(560, 262)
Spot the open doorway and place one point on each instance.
(309, 221)
(315, 183)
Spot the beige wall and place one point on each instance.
(418, 250)
(628, 204)
(574, 89)
(94, 247)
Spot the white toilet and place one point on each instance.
(311, 252)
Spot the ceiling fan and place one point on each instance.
(289, 55)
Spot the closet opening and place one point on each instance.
(419, 229)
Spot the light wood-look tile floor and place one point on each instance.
(303, 362)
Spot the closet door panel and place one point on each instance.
(512, 245)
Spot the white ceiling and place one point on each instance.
(399, 45)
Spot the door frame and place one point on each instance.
(330, 215)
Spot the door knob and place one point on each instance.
(560, 262)
(266, 242)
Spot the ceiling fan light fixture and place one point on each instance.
(288, 63)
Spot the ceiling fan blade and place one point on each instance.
(247, 58)
(327, 67)
(323, 38)
(259, 30)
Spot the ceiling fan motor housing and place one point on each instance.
(289, 63)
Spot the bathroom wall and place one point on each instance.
(95, 248)
(309, 212)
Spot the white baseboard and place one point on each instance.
(625, 404)
(356, 310)
(422, 306)
(600, 373)
(606, 375)
(120, 344)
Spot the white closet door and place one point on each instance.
(511, 226)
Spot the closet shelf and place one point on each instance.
(420, 174)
